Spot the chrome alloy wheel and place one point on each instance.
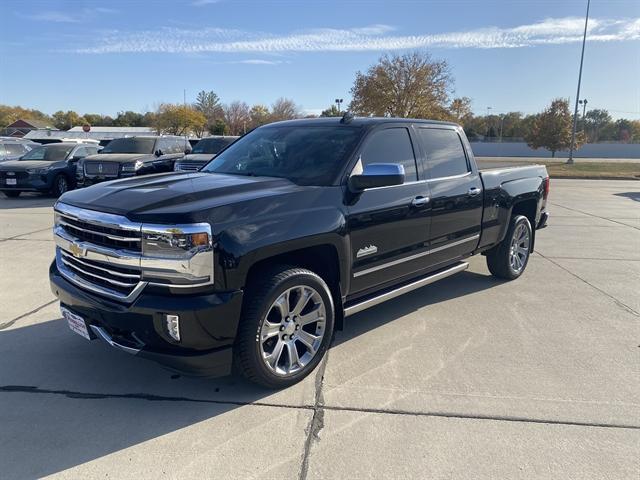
(292, 331)
(519, 251)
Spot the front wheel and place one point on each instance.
(286, 327)
(60, 185)
(510, 257)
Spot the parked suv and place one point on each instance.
(204, 151)
(12, 149)
(130, 156)
(48, 168)
(257, 258)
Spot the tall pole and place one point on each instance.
(575, 112)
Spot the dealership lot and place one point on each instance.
(533, 378)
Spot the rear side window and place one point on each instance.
(392, 145)
(445, 154)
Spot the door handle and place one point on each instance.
(419, 201)
(474, 191)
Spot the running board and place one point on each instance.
(378, 299)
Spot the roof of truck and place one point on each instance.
(359, 121)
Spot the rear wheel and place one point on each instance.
(12, 194)
(509, 258)
(286, 327)
(60, 185)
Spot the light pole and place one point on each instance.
(584, 106)
(501, 123)
(575, 112)
(488, 113)
(339, 104)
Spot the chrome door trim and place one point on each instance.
(405, 289)
(414, 256)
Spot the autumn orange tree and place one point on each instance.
(551, 129)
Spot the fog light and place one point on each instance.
(173, 326)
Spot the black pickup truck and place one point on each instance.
(256, 259)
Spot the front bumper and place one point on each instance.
(208, 324)
(32, 183)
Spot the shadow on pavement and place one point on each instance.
(635, 196)
(66, 401)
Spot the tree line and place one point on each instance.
(411, 85)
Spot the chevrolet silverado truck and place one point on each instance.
(250, 264)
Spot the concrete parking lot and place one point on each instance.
(467, 378)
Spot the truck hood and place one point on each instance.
(22, 165)
(175, 197)
(118, 157)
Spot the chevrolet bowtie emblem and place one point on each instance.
(76, 250)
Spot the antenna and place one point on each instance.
(347, 117)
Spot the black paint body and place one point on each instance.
(259, 220)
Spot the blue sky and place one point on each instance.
(514, 55)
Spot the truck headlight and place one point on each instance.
(37, 171)
(180, 255)
(132, 167)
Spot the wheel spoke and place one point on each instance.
(302, 301)
(314, 316)
(273, 358)
(308, 340)
(269, 330)
(282, 304)
(294, 359)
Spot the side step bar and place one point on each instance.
(378, 299)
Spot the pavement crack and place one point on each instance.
(317, 420)
(617, 302)
(24, 234)
(20, 317)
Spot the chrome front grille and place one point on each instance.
(106, 235)
(116, 278)
(101, 169)
(188, 166)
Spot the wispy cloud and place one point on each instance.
(551, 31)
(76, 16)
(203, 3)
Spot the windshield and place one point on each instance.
(49, 153)
(211, 145)
(306, 155)
(130, 145)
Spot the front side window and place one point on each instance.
(130, 145)
(392, 145)
(50, 153)
(306, 155)
(445, 155)
(15, 149)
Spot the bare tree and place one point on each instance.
(284, 109)
(409, 85)
(237, 117)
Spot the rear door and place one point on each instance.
(388, 225)
(456, 194)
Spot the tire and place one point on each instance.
(12, 193)
(509, 258)
(60, 185)
(272, 324)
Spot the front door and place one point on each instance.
(388, 225)
(456, 195)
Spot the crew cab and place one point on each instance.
(131, 156)
(254, 260)
(46, 168)
(203, 151)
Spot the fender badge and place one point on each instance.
(368, 250)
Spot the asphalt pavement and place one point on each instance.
(467, 378)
